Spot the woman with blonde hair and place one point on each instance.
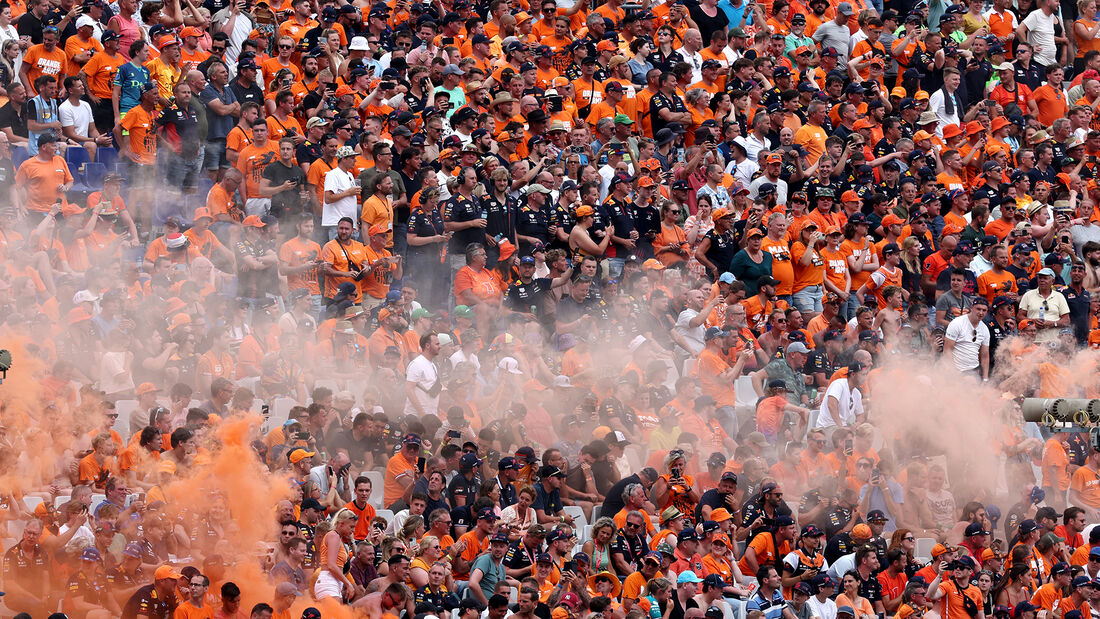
(910, 264)
(331, 581)
(429, 553)
(599, 547)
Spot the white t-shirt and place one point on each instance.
(849, 404)
(968, 341)
(825, 610)
(337, 180)
(1033, 303)
(1040, 34)
(693, 336)
(423, 373)
(78, 117)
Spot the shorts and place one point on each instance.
(809, 299)
(257, 206)
(327, 586)
(370, 302)
(140, 175)
(215, 156)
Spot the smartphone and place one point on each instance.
(454, 434)
(386, 85)
(420, 465)
(569, 566)
(448, 40)
(303, 436)
(848, 446)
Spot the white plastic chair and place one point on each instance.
(744, 392)
(96, 500)
(278, 413)
(579, 521)
(384, 513)
(923, 549)
(376, 494)
(125, 410)
(249, 382)
(597, 511)
(32, 502)
(327, 382)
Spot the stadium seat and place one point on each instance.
(248, 382)
(579, 521)
(597, 511)
(125, 409)
(32, 502)
(19, 154)
(76, 158)
(278, 413)
(108, 156)
(922, 551)
(384, 513)
(93, 175)
(376, 485)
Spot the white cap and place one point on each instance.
(84, 296)
(510, 365)
(359, 44)
(444, 339)
(84, 20)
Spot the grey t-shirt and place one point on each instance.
(492, 573)
(953, 305)
(832, 35)
(1084, 234)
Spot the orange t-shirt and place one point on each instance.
(1086, 482)
(991, 285)
(806, 275)
(481, 283)
(1054, 457)
(95, 473)
(74, 46)
(41, 178)
(296, 253)
(279, 129)
(337, 255)
(782, 268)
(252, 161)
(765, 552)
(143, 136)
(396, 469)
(42, 62)
(101, 69)
(362, 527)
(220, 201)
(377, 283)
(709, 367)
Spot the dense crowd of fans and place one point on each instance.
(511, 309)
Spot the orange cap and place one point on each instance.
(831, 230)
(863, 123)
(201, 212)
(653, 264)
(861, 531)
(951, 131)
(850, 196)
(922, 135)
(378, 229)
(999, 123)
(974, 127)
(646, 181)
(584, 211)
(559, 81)
(898, 91)
(650, 164)
(144, 388)
(343, 90)
(253, 221)
(950, 229)
(77, 314)
(166, 571)
(921, 94)
(604, 46)
(892, 220)
(720, 213)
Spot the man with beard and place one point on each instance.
(724, 495)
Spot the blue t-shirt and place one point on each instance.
(492, 573)
(549, 502)
(218, 127)
(131, 79)
(772, 608)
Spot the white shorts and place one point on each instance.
(328, 587)
(257, 206)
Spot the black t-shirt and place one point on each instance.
(521, 297)
(711, 498)
(836, 520)
(678, 609)
(631, 547)
(534, 223)
(661, 101)
(502, 215)
(519, 556)
(11, 116)
(250, 93)
(613, 504)
(461, 209)
(462, 487)
(308, 152)
(707, 25)
(754, 509)
(182, 130)
(423, 225)
(148, 603)
(29, 25)
(278, 173)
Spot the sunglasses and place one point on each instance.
(286, 47)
